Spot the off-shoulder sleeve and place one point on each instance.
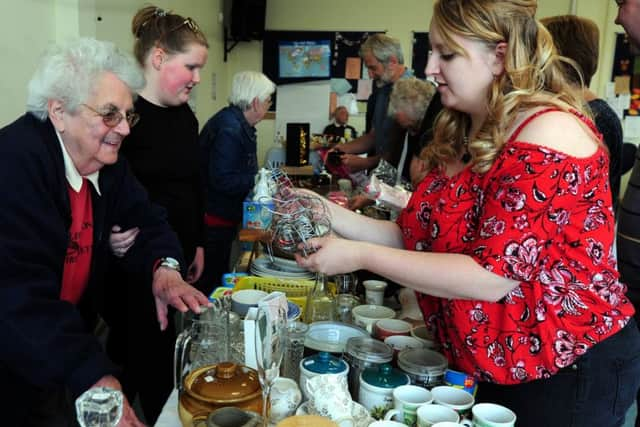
(542, 210)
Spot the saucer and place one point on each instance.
(359, 413)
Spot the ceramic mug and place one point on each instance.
(374, 291)
(492, 415)
(366, 315)
(406, 401)
(455, 398)
(430, 414)
(389, 327)
(285, 397)
(329, 397)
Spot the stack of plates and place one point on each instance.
(279, 267)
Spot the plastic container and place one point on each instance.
(425, 367)
(364, 353)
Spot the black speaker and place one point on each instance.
(247, 19)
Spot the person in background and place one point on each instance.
(628, 235)
(382, 55)
(229, 164)
(163, 153)
(340, 130)
(414, 104)
(68, 188)
(578, 39)
(508, 239)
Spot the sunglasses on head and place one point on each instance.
(189, 23)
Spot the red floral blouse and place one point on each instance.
(538, 216)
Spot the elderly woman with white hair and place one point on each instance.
(229, 163)
(64, 188)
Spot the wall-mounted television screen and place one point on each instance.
(304, 59)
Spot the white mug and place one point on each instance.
(454, 398)
(492, 415)
(406, 401)
(374, 291)
(430, 414)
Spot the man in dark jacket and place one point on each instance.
(64, 188)
(229, 165)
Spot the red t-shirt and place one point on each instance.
(542, 218)
(77, 263)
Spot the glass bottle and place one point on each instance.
(320, 303)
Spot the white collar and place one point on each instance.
(71, 172)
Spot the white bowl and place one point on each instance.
(244, 299)
(330, 336)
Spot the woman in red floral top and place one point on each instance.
(508, 239)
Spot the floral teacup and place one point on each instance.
(329, 396)
(285, 397)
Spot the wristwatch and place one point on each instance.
(171, 263)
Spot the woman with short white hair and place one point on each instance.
(229, 163)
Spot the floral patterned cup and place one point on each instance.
(329, 396)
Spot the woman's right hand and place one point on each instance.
(120, 242)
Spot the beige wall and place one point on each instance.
(26, 27)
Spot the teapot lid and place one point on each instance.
(324, 363)
(225, 382)
(385, 376)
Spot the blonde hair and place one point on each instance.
(533, 75)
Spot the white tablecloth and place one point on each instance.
(169, 416)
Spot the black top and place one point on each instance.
(609, 126)
(162, 150)
(46, 344)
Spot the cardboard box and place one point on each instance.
(257, 215)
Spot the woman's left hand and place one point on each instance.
(195, 269)
(332, 255)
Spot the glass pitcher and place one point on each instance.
(209, 340)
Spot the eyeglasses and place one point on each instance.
(113, 118)
(189, 23)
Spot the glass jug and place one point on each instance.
(207, 341)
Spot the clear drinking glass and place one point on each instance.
(270, 343)
(99, 407)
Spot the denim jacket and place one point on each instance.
(229, 162)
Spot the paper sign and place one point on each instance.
(364, 90)
(352, 68)
(631, 127)
(622, 85)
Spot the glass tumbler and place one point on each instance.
(294, 349)
(99, 407)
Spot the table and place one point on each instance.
(169, 416)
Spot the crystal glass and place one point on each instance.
(270, 339)
(99, 407)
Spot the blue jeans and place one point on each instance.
(595, 391)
